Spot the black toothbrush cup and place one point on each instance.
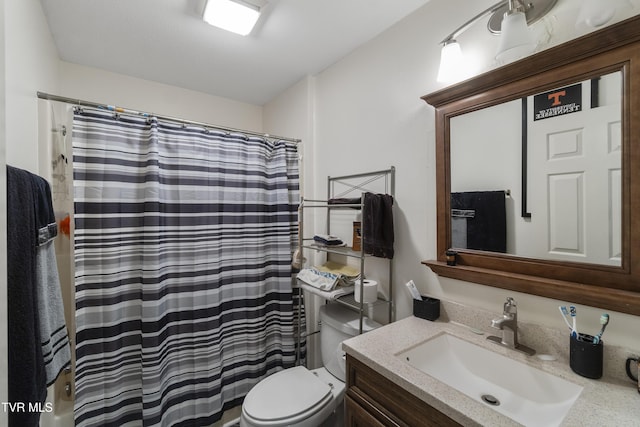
(585, 356)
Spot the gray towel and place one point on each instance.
(56, 353)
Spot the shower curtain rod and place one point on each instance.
(82, 103)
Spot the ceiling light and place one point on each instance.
(510, 19)
(237, 16)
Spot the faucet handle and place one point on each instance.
(510, 306)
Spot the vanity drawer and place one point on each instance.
(385, 403)
(357, 415)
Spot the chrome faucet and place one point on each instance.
(508, 324)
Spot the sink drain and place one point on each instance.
(491, 400)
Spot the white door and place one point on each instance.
(575, 204)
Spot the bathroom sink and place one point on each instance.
(521, 392)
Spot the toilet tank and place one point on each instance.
(339, 323)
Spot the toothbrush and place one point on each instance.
(413, 290)
(574, 331)
(565, 313)
(604, 321)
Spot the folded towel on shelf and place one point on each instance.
(329, 276)
(327, 240)
(377, 217)
(318, 279)
(348, 272)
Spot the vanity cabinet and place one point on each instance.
(373, 400)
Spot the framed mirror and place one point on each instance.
(538, 173)
(545, 182)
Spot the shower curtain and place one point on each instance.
(183, 245)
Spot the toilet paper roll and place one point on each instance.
(370, 291)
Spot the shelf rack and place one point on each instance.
(353, 183)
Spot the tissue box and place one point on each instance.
(428, 308)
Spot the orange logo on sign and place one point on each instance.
(556, 97)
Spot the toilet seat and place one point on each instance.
(286, 397)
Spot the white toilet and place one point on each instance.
(301, 397)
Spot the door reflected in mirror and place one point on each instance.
(540, 177)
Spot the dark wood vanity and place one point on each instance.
(372, 400)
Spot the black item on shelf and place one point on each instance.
(327, 240)
(428, 308)
(585, 357)
(451, 256)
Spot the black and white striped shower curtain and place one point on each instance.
(183, 246)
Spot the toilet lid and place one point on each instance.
(286, 394)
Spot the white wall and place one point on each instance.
(31, 61)
(92, 84)
(369, 115)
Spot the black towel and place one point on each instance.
(347, 201)
(487, 229)
(27, 380)
(377, 223)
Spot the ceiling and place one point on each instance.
(166, 41)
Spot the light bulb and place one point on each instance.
(451, 63)
(516, 40)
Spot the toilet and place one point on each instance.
(307, 398)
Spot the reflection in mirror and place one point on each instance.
(541, 177)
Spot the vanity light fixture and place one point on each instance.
(514, 16)
(237, 16)
(511, 20)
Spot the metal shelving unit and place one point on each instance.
(353, 183)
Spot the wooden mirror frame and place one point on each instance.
(614, 48)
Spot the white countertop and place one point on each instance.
(611, 400)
